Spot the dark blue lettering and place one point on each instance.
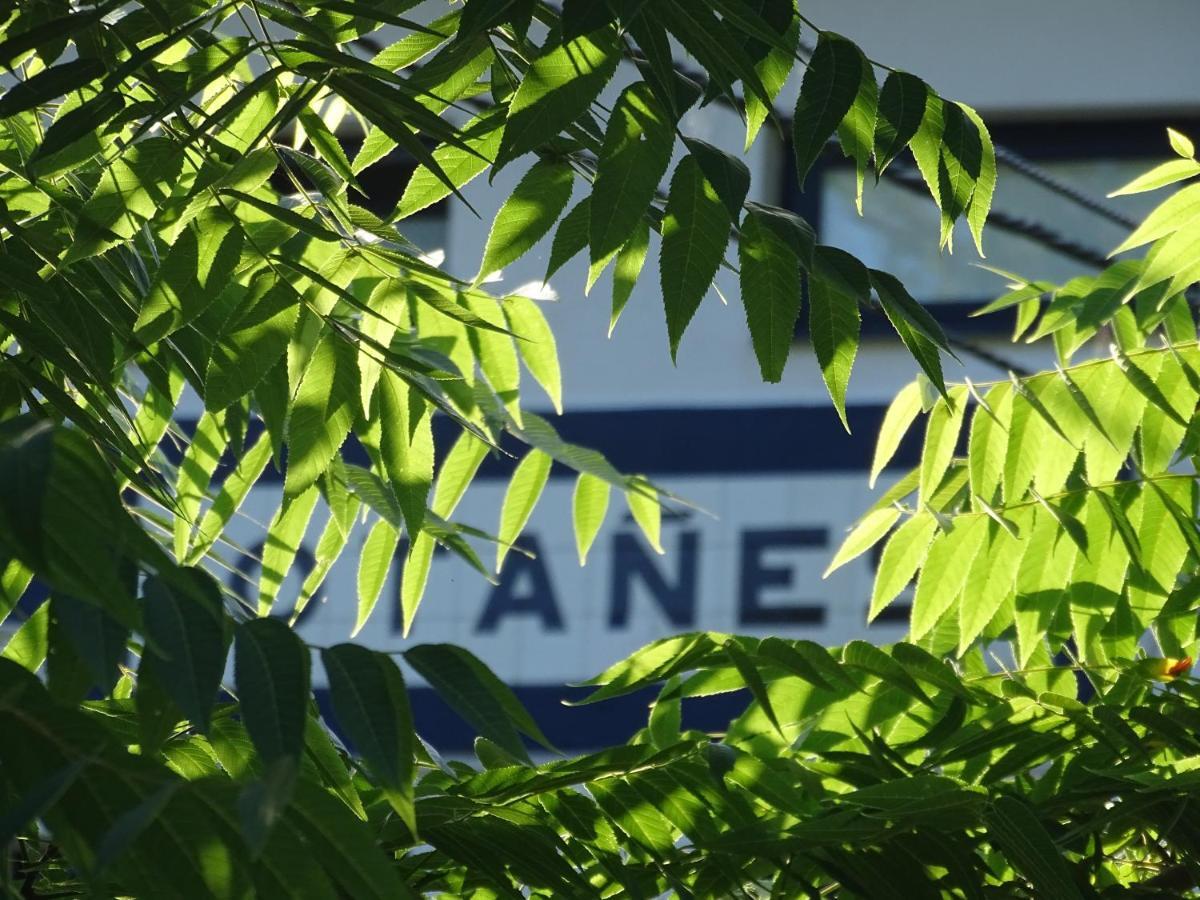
(630, 560)
(756, 575)
(534, 598)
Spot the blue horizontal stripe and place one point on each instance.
(956, 317)
(573, 728)
(673, 442)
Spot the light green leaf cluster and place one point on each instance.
(1071, 513)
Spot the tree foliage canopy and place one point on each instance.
(182, 215)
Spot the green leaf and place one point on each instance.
(252, 340)
(902, 556)
(1160, 433)
(345, 846)
(985, 183)
(406, 447)
(75, 126)
(458, 468)
(1162, 545)
(50, 84)
(652, 663)
(496, 354)
(988, 442)
(799, 235)
(477, 695)
(130, 825)
(329, 548)
(642, 500)
(185, 625)
(666, 715)
(98, 639)
(834, 323)
(728, 175)
(724, 61)
(991, 580)
(916, 328)
(529, 213)
(630, 259)
(1173, 257)
(524, 489)
(537, 346)
(14, 581)
(635, 154)
(129, 193)
(39, 797)
(942, 431)
(808, 660)
(285, 534)
(1029, 847)
(1181, 144)
(754, 681)
(556, 91)
(767, 783)
(770, 283)
(461, 165)
(570, 238)
(389, 302)
(1160, 176)
(589, 503)
(865, 535)
(271, 672)
(322, 412)
(1032, 438)
(960, 167)
(869, 658)
(234, 491)
(371, 704)
(926, 145)
(856, 133)
(414, 576)
(1119, 406)
(1169, 216)
(944, 572)
(54, 482)
(831, 84)
(900, 415)
(773, 70)
(695, 231)
(923, 665)
(200, 459)
(643, 824)
(31, 642)
(901, 109)
(374, 564)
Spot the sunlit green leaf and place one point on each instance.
(695, 231)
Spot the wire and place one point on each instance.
(1035, 173)
(910, 178)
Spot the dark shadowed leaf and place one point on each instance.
(827, 92)
(371, 704)
(695, 231)
(476, 694)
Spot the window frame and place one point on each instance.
(1037, 140)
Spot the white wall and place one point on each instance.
(1047, 57)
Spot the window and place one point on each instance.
(898, 232)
